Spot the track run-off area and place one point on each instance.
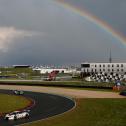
(73, 93)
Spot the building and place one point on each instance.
(103, 67)
(21, 66)
(49, 70)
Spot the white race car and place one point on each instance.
(17, 92)
(17, 115)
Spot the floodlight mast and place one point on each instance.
(110, 57)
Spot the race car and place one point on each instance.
(17, 115)
(17, 92)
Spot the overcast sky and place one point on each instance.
(42, 32)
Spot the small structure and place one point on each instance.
(21, 66)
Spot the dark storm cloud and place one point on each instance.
(66, 37)
(111, 11)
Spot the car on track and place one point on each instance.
(17, 115)
(18, 92)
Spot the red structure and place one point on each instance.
(52, 75)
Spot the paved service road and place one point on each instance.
(46, 105)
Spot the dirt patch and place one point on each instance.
(66, 92)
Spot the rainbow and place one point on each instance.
(100, 23)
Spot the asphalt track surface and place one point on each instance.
(46, 105)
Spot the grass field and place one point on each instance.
(59, 83)
(10, 103)
(91, 112)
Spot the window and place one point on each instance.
(121, 65)
(62, 71)
(100, 70)
(112, 70)
(108, 65)
(108, 70)
(117, 65)
(122, 70)
(103, 65)
(95, 65)
(85, 65)
(99, 65)
(112, 65)
(95, 70)
(103, 69)
(117, 70)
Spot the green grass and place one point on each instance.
(60, 83)
(91, 112)
(10, 103)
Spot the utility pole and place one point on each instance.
(110, 58)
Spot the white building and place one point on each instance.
(103, 67)
(49, 70)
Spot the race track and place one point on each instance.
(46, 105)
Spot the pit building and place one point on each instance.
(103, 67)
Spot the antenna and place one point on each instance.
(110, 58)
